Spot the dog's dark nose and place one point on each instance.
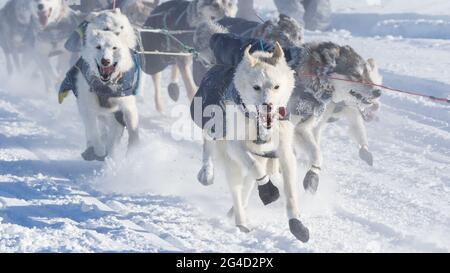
(376, 93)
(40, 7)
(106, 62)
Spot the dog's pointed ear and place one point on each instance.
(278, 52)
(249, 58)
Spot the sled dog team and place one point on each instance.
(260, 93)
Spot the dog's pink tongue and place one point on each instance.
(107, 70)
(43, 18)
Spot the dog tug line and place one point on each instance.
(433, 98)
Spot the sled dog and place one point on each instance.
(251, 150)
(333, 81)
(15, 35)
(178, 16)
(105, 81)
(52, 22)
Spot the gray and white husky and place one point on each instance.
(105, 81)
(15, 19)
(263, 82)
(333, 81)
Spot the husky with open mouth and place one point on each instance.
(105, 81)
(52, 21)
(257, 139)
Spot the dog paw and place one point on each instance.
(311, 182)
(365, 155)
(174, 91)
(299, 230)
(243, 228)
(206, 175)
(268, 193)
(89, 155)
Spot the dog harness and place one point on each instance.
(126, 85)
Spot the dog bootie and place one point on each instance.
(174, 91)
(268, 193)
(243, 229)
(89, 155)
(299, 230)
(366, 156)
(311, 182)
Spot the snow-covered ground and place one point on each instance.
(50, 200)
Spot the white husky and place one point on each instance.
(264, 83)
(116, 22)
(106, 79)
(53, 21)
(113, 21)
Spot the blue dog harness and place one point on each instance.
(127, 85)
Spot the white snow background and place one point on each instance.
(52, 201)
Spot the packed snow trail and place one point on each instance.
(50, 200)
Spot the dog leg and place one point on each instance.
(157, 86)
(206, 174)
(249, 184)
(115, 133)
(185, 68)
(234, 177)
(9, 65)
(288, 166)
(174, 88)
(311, 180)
(97, 151)
(131, 118)
(358, 131)
(268, 192)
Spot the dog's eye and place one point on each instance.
(257, 87)
(115, 48)
(106, 29)
(98, 47)
(121, 27)
(277, 87)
